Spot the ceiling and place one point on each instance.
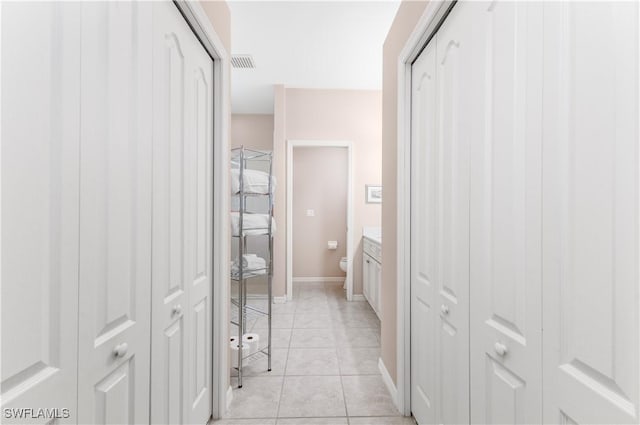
(306, 44)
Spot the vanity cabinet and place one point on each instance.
(371, 273)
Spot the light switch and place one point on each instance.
(311, 213)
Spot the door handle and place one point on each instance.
(120, 350)
(177, 310)
(500, 349)
(444, 309)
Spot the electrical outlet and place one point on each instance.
(311, 213)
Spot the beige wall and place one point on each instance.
(319, 183)
(347, 115)
(280, 207)
(407, 17)
(252, 131)
(220, 17)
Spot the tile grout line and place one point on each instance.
(284, 375)
(344, 395)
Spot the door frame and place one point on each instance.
(430, 21)
(200, 24)
(289, 218)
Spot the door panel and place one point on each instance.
(40, 177)
(377, 288)
(113, 395)
(590, 215)
(365, 276)
(455, 89)
(115, 213)
(173, 355)
(199, 83)
(506, 387)
(169, 289)
(424, 276)
(182, 170)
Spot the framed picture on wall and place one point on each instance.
(373, 193)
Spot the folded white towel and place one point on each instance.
(248, 260)
(253, 224)
(251, 263)
(255, 181)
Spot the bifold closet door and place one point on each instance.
(182, 184)
(115, 213)
(454, 134)
(591, 196)
(441, 133)
(40, 177)
(424, 194)
(506, 272)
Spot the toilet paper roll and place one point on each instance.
(252, 340)
(332, 245)
(233, 352)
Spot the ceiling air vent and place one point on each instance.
(242, 62)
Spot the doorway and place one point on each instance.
(310, 213)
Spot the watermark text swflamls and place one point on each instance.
(38, 413)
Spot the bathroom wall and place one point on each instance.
(253, 131)
(347, 115)
(406, 19)
(319, 184)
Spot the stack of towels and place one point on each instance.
(254, 181)
(252, 224)
(251, 263)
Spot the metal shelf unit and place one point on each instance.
(242, 312)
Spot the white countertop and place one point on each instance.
(374, 234)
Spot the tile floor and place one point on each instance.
(324, 366)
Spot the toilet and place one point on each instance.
(343, 264)
(343, 267)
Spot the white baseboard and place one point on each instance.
(386, 378)
(280, 300)
(229, 398)
(319, 279)
(358, 297)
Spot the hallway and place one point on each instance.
(325, 365)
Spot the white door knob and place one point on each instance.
(444, 309)
(500, 349)
(177, 310)
(120, 350)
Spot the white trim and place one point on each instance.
(199, 21)
(358, 297)
(318, 279)
(229, 397)
(419, 36)
(280, 300)
(289, 250)
(388, 382)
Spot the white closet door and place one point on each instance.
(40, 170)
(506, 272)
(424, 207)
(591, 230)
(181, 332)
(198, 220)
(169, 297)
(115, 213)
(455, 113)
